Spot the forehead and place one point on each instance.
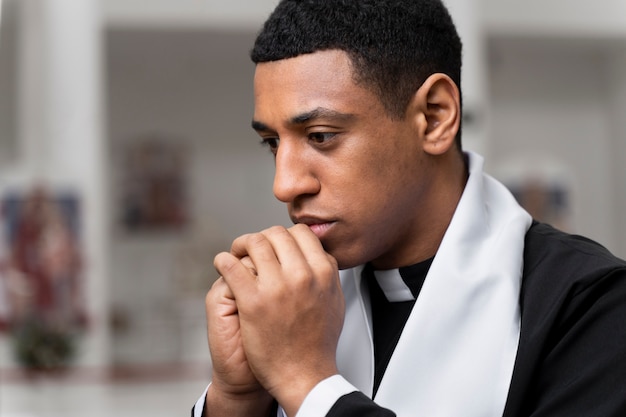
(296, 85)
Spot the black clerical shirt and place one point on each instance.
(389, 317)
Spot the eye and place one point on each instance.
(321, 137)
(271, 144)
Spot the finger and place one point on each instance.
(260, 251)
(310, 246)
(236, 275)
(249, 264)
(286, 248)
(220, 299)
(222, 289)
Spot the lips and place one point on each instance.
(320, 230)
(317, 225)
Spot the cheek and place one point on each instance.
(373, 182)
(391, 157)
(386, 197)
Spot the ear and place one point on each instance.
(437, 106)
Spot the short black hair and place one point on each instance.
(394, 45)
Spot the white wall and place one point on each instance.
(577, 18)
(616, 86)
(556, 84)
(186, 13)
(8, 75)
(550, 110)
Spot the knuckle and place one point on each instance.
(327, 270)
(301, 274)
(240, 239)
(244, 244)
(275, 231)
(255, 240)
(326, 267)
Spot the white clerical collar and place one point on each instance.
(393, 286)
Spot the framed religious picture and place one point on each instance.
(152, 186)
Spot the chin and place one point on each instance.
(346, 262)
(347, 256)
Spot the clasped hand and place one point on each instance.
(274, 319)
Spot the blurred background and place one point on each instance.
(127, 162)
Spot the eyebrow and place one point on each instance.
(318, 113)
(321, 113)
(259, 126)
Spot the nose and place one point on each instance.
(294, 175)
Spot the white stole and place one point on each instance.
(456, 354)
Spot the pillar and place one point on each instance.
(61, 139)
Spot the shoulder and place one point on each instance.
(571, 358)
(565, 277)
(553, 258)
(544, 242)
(568, 280)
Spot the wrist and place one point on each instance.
(292, 394)
(233, 404)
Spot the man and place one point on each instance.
(451, 301)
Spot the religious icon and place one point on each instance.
(41, 275)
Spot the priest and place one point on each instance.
(412, 283)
